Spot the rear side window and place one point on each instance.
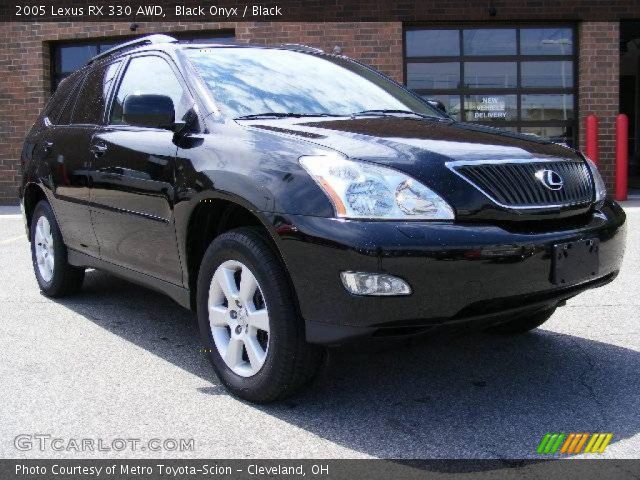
(149, 75)
(94, 94)
(65, 116)
(57, 102)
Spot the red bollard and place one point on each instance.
(622, 156)
(592, 138)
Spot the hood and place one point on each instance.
(422, 148)
(402, 141)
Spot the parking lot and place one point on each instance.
(121, 362)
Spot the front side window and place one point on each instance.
(94, 93)
(249, 81)
(149, 75)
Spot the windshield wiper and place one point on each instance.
(389, 112)
(284, 115)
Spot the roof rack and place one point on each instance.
(138, 42)
(301, 47)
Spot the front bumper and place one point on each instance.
(458, 272)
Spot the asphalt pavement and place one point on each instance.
(120, 363)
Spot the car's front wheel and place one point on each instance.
(55, 276)
(249, 321)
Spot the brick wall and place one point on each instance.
(598, 88)
(25, 64)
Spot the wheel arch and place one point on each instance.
(33, 193)
(212, 215)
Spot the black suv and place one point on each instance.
(296, 199)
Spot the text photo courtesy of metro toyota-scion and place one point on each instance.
(346, 239)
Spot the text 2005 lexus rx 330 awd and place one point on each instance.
(296, 199)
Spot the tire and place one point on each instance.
(522, 324)
(235, 318)
(55, 276)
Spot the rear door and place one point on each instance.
(66, 146)
(133, 176)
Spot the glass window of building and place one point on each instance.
(67, 57)
(521, 78)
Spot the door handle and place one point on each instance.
(99, 149)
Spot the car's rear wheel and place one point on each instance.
(522, 324)
(249, 321)
(55, 276)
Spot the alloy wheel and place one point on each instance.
(238, 318)
(44, 249)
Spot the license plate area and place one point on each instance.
(575, 262)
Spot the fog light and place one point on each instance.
(362, 283)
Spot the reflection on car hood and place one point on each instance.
(398, 140)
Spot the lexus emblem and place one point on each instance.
(550, 179)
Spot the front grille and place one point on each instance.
(515, 185)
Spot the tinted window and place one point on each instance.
(521, 78)
(484, 41)
(433, 75)
(432, 43)
(546, 41)
(67, 111)
(490, 74)
(94, 94)
(490, 108)
(547, 107)
(149, 75)
(54, 108)
(547, 74)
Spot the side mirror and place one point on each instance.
(437, 104)
(154, 111)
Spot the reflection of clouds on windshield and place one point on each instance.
(248, 81)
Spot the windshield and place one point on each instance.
(252, 81)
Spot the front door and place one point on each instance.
(132, 194)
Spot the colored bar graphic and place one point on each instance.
(565, 447)
(543, 443)
(581, 443)
(573, 443)
(556, 445)
(605, 442)
(593, 439)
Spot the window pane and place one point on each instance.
(433, 75)
(547, 107)
(75, 57)
(65, 116)
(106, 46)
(498, 41)
(547, 74)
(546, 41)
(450, 102)
(556, 134)
(432, 43)
(93, 96)
(490, 74)
(54, 107)
(205, 39)
(490, 108)
(136, 81)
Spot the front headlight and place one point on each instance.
(363, 190)
(601, 189)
